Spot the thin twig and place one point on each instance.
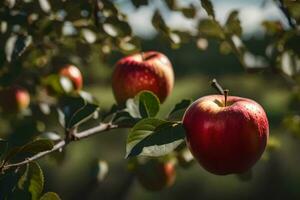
(63, 143)
(287, 14)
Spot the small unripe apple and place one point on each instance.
(143, 71)
(74, 74)
(226, 134)
(155, 174)
(14, 99)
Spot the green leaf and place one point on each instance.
(172, 5)
(45, 6)
(272, 27)
(145, 104)
(225, 48)
(37, 146)
(32, 181)
(293, 43)
(8, 183)
(16, 45)
(138, 3)
(115, 27)
(154, 137)
(148, 104)
(3, 147)
(178, 111)
(159, 23)
(233, 24)
(132, 107)
(211, 28)
(57, 84)
(75, 110)
(50, 196)
(124, 118)
(189, 12)
(207, 5)
(34, 147)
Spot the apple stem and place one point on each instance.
(217, 86)
(226, 91)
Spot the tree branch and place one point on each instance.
(63, 143)
(287, 14)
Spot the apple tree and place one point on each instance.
(44, 43)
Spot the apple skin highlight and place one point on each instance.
(150, 71)
(74, 74)
(229, 139)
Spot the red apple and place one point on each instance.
(74, 74)
(143, 71)
(226, 137)
(14, 99)
(156, 174)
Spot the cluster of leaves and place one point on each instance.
(25, 180)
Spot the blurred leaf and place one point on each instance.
(115, 27)
(138, 3)
(225, 48)
(88, 35)
(293, 43)
(24, 131)
(175, 39)
(154, 137)
(75, 110)
(87, 97)
(8, 182)
(45, 5)
(16, 45)
(289, 63)
(273, 143)
(292, 124)
(233, 24)
(148, 104)
(207, 5)
(254, 63)
(32, 180)
(3, 147)
(272, 27)
(178, 111)
(171, 4)
(29, 149)
(99, 170)
(58, 85)
(293, 7)
(211, 28)
(50, 136)
(158, 22)
(50, 196)
(37, 146)
(189, 12)
(10, 3)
